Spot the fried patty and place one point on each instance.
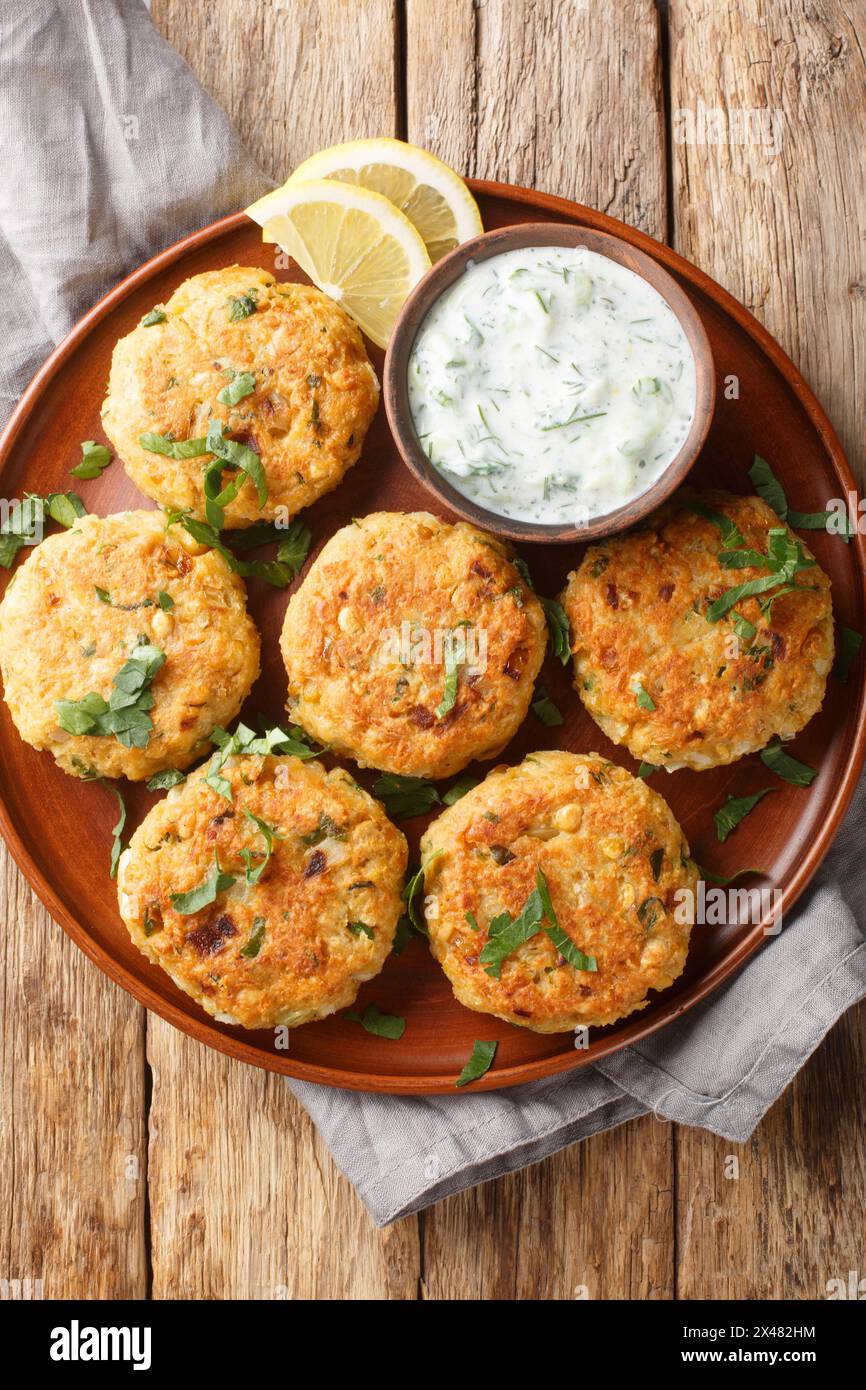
(652, 668)
(412, 645)
(314, 391)
(615, 864)
(296, 943)
(85, 602)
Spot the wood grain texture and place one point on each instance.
(293, 75)
(246, 1202)
(559, 95)
(544, 95)
(779, 222)
(73, 1169)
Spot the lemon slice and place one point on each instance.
(354, 244)
(428, 192)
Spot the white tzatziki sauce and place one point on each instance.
(551, 384)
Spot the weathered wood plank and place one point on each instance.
(555, 96)
(545, 95)
(72, 1160)
(294, 75)
(245, 1199)
(779, 222)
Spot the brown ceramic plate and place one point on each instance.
(59, 830)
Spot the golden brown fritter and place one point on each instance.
(314, 396)
(619, 876)
(367, 638)
(81, 604)
(293, 946)
(656, 675)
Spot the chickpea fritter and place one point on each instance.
(281, 367)
(615, 864)
(666, 673)
(412, 645)
(116, 590)
(278, 938)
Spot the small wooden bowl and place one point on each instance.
(442, 276)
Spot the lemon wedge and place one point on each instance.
(353, 243)
(428, 192)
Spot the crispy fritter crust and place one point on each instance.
(60, 641)
(315, 394)
(338, 861)
(364, 644)
(614, 859)
(637, 609)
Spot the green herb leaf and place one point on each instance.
(745, 630)
(155, 316)
(65, 508)
(560, 938)
(402, 936)
(95, 458)
(257, 936)
(326, 828)
(735, 809)
(411, 889)
(238, 455)
(483, 1054)
(505, 934)
(404, 797)
(290, 743)
(656, 859)
(558, 633)
(731, 534)
(379, 1024)
(162, 781)
(544, 709)
(125, 714)
(102, 594)
(165, 601)
(767, 485)
(647, 769)
(789, 769)
(26, 519)
(452, 676)
(357, 928)
(269, 834)
(722, 879)
(648, 912)
(295, 548)
(117, 831)
(241, 385)
(172, 448)
(241, 306)
(205, 893)
(850, 643)
(643, 698)
(459, 789)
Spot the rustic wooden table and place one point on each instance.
(134, 1163)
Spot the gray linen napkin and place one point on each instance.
(99, 118)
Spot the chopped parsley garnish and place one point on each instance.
(731, 534)
(378, 1023)
(241, 385)
(326, 828)
(480, 1062)
(656, 859)
(850, 643)
(648, 912)
(231, 454)
(359, 928)
(125, 713)
(207, 892)
(165, 601)
(459, 789)
(257, 936)
(291, 743)
(242, 305)
(722, 880)
(767, 485)
(647, 769)
(155, 316)
(505, 934)
(735, 809)
(411, 889)
(95, 458)
(544, 709)
(172, 448)
(279, 572)
(269, 834)
(643, 698)
(785, 558)
(117, 831)
(452, 676)
(162, 781)
(26, 519)
(789, 769)
(404, 797)
(558, 632)
(745, 630)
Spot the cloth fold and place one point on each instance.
(110, 152)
